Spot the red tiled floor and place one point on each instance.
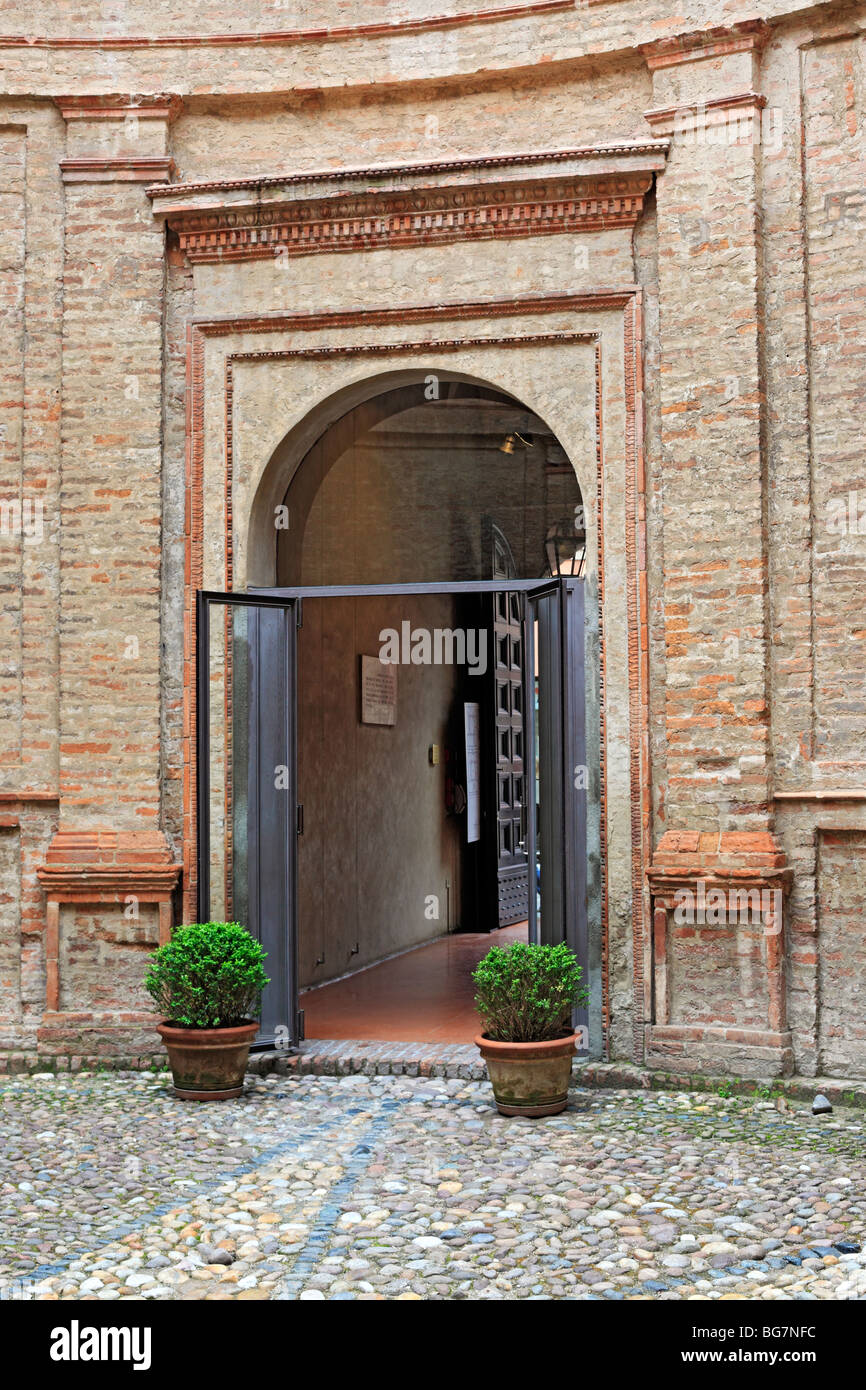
(425, 995)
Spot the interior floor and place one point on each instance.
(423, 995)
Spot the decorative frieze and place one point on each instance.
(531, 194)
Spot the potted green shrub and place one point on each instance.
(526, 995)
(207, 981)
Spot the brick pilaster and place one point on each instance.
(111, 456)
(706, 99)
(110, 492)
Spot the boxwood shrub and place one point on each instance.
(526, 993)
(209, 975)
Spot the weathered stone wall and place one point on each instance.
(734, 703)
(842, 954)
(834, 95)
(19, 517)
(816, 376)
(10, 934)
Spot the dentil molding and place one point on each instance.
(539, 192)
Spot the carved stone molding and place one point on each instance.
(749, 35)
(737, 115)
(537, 193)
(101, 107)
(610, 155)
(120, 169)
(290, 37)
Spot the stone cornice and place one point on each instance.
(621, 154)
(689, 118)
(117, 169)
(159, 107)
(91, 885)
(538, 193)
(105, 865)
(290, 37)
(695, 45)
(822, 794)
(683, 857)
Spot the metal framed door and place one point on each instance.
(247, 767)
(557, 781)
(246, 785)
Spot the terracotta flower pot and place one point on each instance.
(208, 1063)
(529, 1078)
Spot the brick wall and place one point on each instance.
(749, 253)
(111, 507)
(833, 77)
(19, 515)
(10, 935)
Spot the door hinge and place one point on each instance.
(300, 821)
(299, 612)
(300, 1028)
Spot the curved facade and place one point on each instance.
(222, 234)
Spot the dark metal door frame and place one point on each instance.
(569, 704)
(559, 727)
(538, 591)
(203, 600)
(272, 875)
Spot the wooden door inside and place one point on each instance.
(507, 778)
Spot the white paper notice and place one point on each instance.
(472, 722)
(378, 691)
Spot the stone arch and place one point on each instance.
(376, 398)
(286, 463)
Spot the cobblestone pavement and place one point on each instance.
(393, 1187)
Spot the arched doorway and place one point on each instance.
(413, 484)
(427, 629)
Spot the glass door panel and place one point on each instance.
(247, 803)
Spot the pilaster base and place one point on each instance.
(711, 1049)
(114, 868)
(718, 954)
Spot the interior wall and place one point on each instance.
(407, 499)
(405, 488)
(379, 859)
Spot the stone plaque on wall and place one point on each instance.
(378, 691)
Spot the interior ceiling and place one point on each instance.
(479, 417)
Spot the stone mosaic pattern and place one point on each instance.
(414, 1188)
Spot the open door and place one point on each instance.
(246, 785)
(505, 894)
(248, 813)
(557, 768)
